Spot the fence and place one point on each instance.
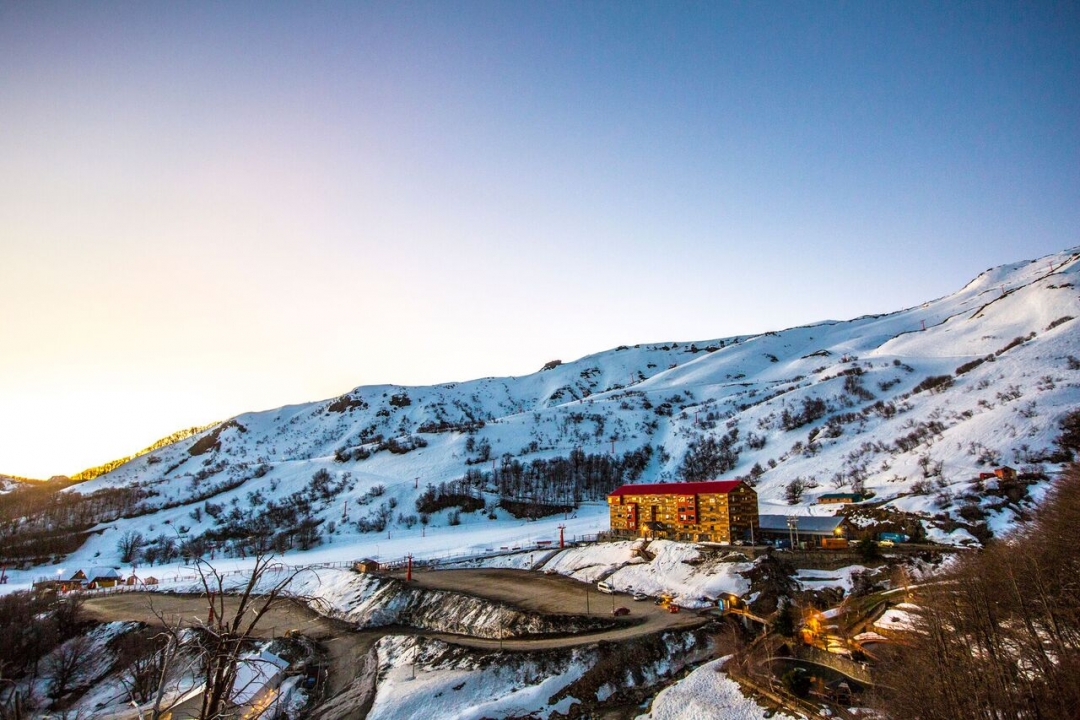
(421, 560)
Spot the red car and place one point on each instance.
(673, 608)
(620, 611)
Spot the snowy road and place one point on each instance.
(551, 594)
(345, 646)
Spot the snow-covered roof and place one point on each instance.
(710, 487)
(104, 573)
(254, 673)
(807, 523)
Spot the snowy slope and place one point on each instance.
(381, 445)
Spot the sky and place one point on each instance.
(213, 208)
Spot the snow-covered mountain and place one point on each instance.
(911, 406)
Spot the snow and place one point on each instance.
(902, 617)
(460, 692)
(547, 414)
(255, 673)
(692, 585)
(819, 579)
(705, 694)
(1003, 411)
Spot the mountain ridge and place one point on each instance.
(830, 405)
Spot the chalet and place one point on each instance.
(134, 580)
(1005, 473)
(840, 497)
(1002, 473)
(76, 582)
(804, 530)
(104, 577)
(721, 511)
(367, 566)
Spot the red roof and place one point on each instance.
(718, 487)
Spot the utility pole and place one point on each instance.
(408, 571)
(562, 528)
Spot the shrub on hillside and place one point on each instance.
(812, 409)
(934, 383)
(710, 457)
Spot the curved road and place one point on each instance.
(348, 649)
(550, 595)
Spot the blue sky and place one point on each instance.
(213, 208)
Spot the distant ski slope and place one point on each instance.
(669, 395)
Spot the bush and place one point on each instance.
(1059, 321)
(1014, 343)
(969, 366)
(934, 383)
(710, 457)
(1069, 439)
(812, 409)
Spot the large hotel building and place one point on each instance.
(721, 511)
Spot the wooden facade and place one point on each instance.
(840, 497)
(721, 511)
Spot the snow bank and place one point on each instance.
(695, 578)
(413, 684)
(706, 694)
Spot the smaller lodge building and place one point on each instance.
(840, 497)
(805, 531)
(720, 511)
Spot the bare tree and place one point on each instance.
(65, 664)
(214, 646)
(794, 491)
(1000, 637)
(145, 653)
(232, 617)
(129, 545)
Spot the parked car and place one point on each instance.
(620, 611)
(673, 608)
(886, 543)
(640, 596)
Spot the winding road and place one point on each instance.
(351, 676)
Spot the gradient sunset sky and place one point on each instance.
(210, 208)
